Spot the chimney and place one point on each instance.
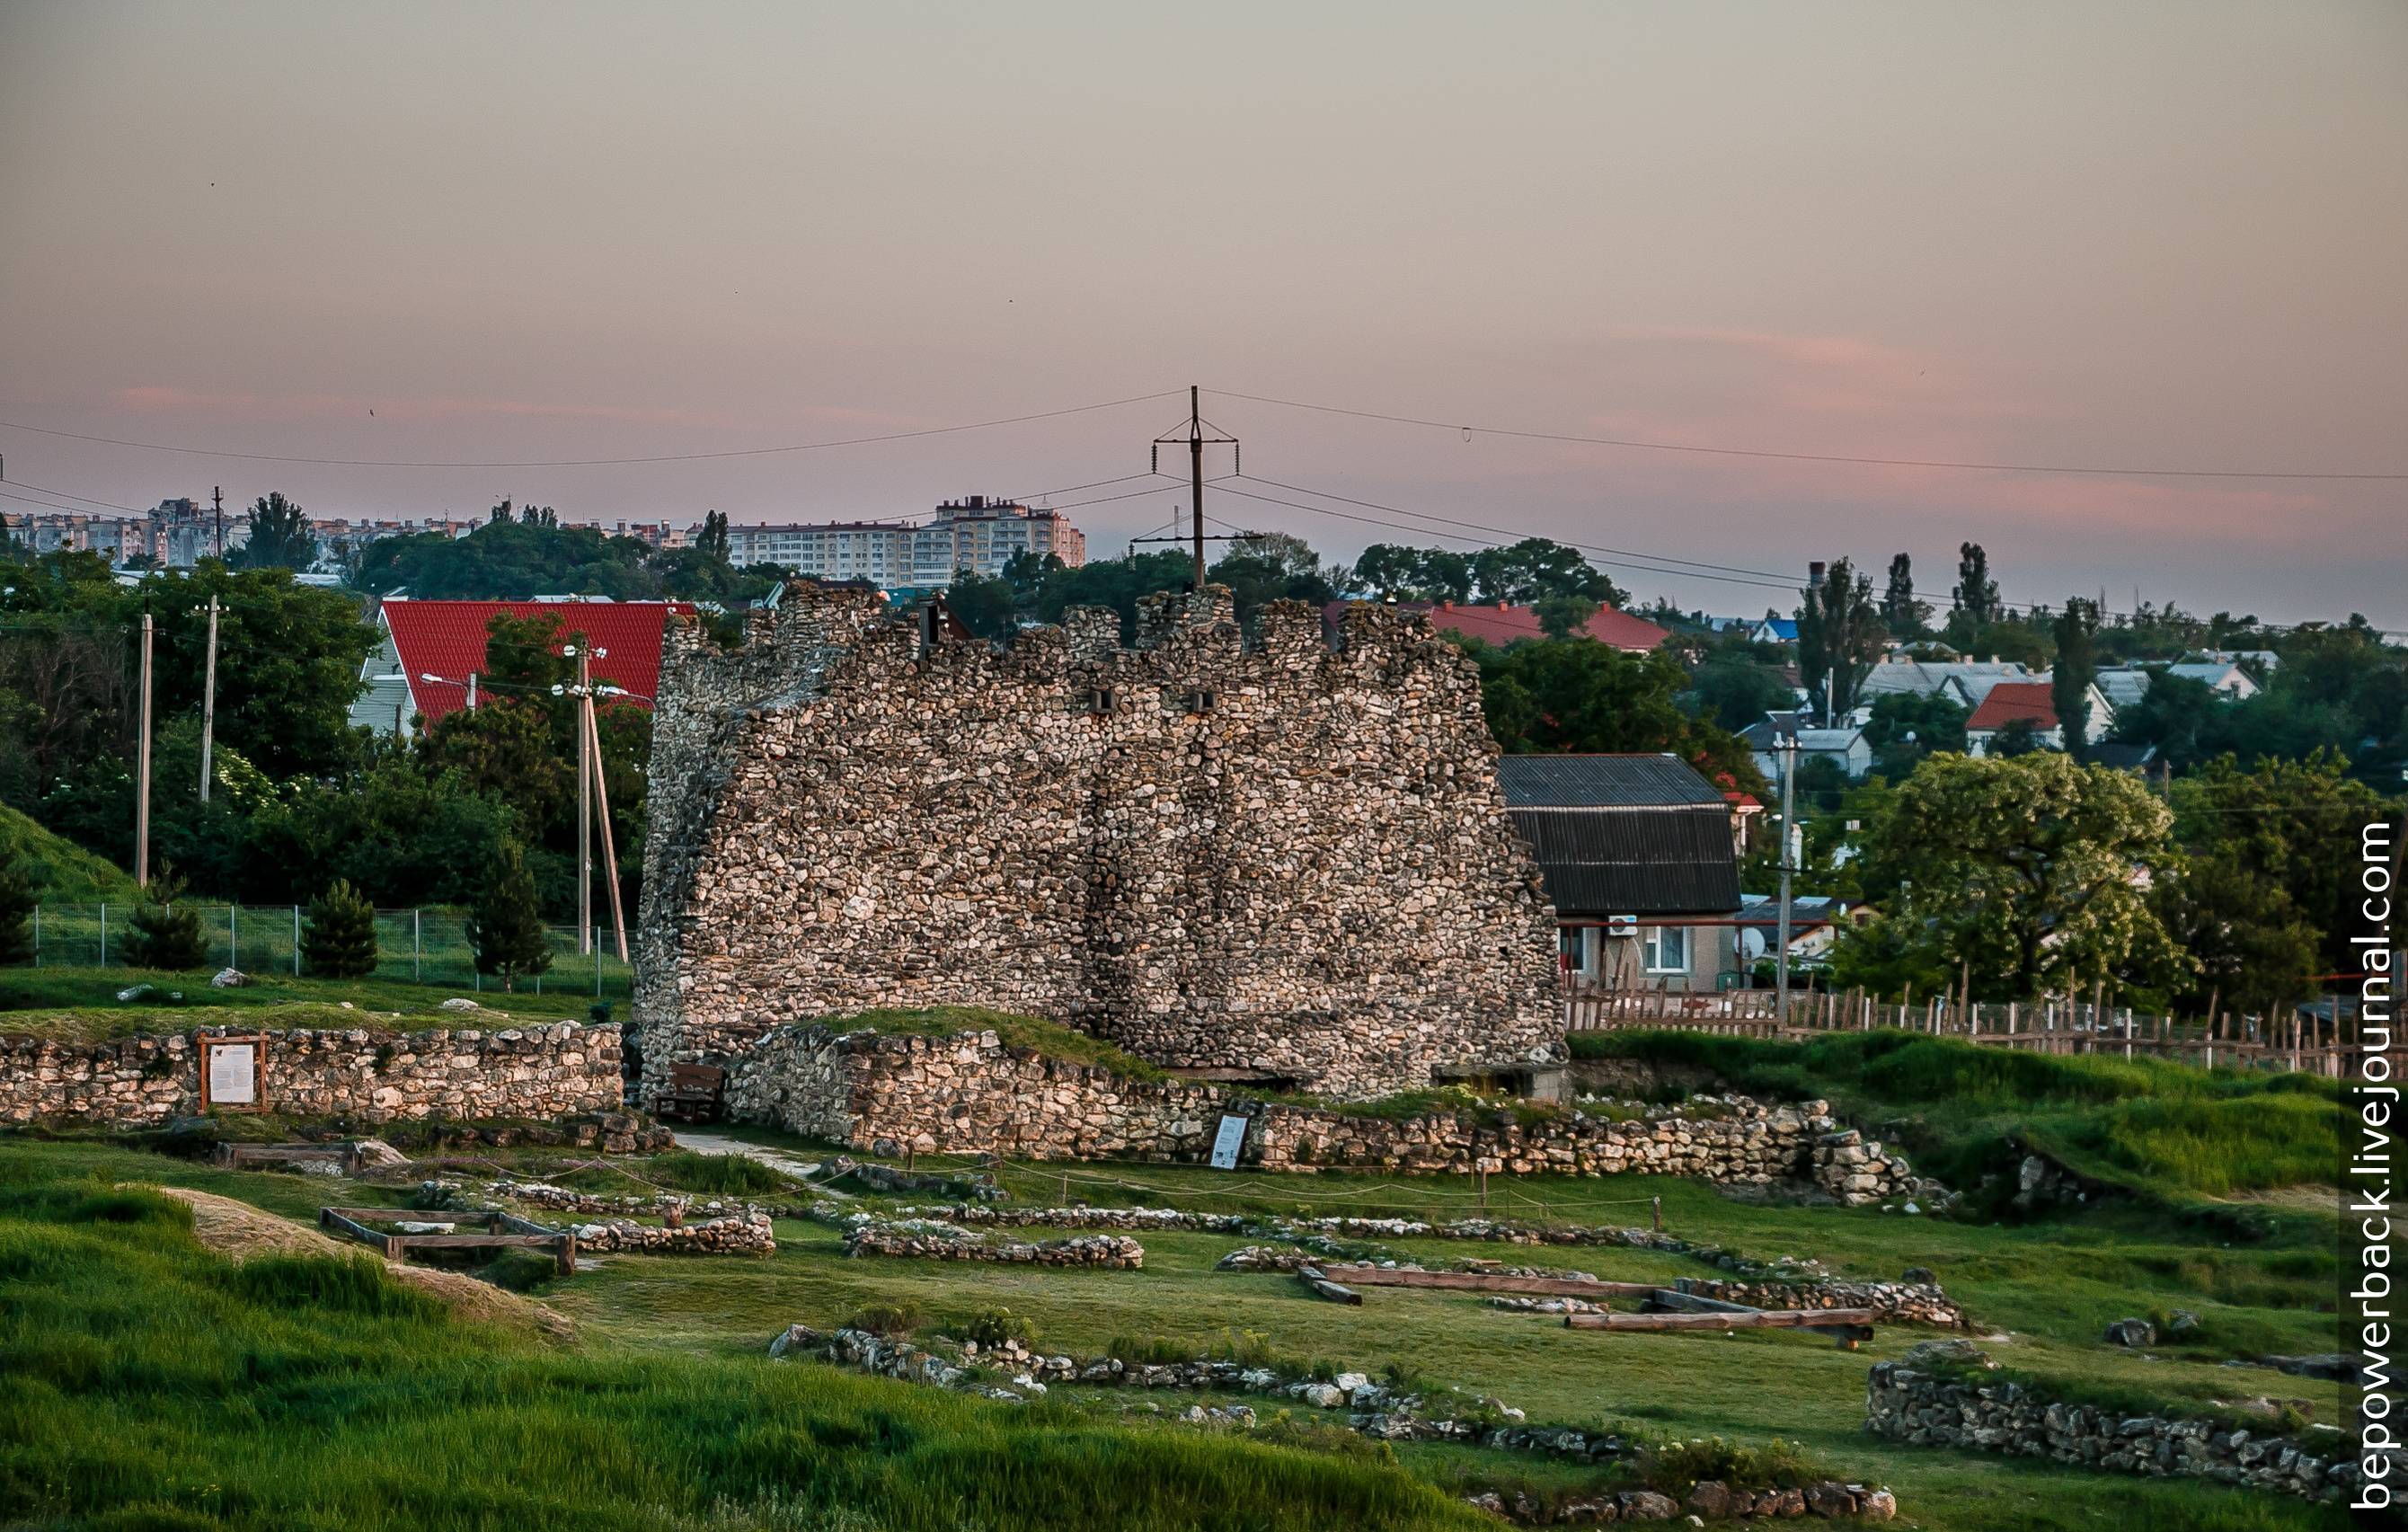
(1815, 574)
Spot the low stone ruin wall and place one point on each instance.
(540, 1071)
(1892, 1303)
(1375, 1410)
(942, 1242)
(745, 1234)
(971, 1093)
(1940, 1408)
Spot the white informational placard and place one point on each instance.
(234, 1074)
(1226, 1143)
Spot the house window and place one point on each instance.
(1668, 949)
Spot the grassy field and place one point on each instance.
(2145, 1126)
(82, 1003)
(63, 871)
(667, 1350)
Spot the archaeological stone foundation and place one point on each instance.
(1284, 856)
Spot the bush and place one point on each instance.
(16, 913)
(340, 941)
(715, 1175)
(1675, 1468)
(888, 1320)
(991, 1328)
(164, 934)
(520, 1271)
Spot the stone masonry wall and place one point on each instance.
(542, 1072)
(1937, 1409)
(972, 1094)
(1285, 857)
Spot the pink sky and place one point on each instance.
(2158, 234)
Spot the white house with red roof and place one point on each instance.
(432, 650)
(2030, 702)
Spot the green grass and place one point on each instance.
(151, 1386)
(82, 1004)
(2053, 1284)
(2145, 1126)
(63, 871)
(716, 1175)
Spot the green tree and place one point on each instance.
(339, 941)
(1906, 727)
(2076, 669)
(1976, 595)
(1553, 694)
(984, 605)
(2256, 953)
(2182, 716)
(1117, 583)
(509, 749)
(1387, 570)
(2020, 736)
(2030, 870)
(166, 929)
(711, 542)
(16, 901)
(1839, 633)
(1562, 616)
(2294, 826)
(1905, 616)
(1441, 573)
(280, 538)
(1732, 690)
(506, 926)
(1272, 566)
(1534, 568)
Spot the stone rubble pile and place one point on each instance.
(1518, 1305)
(743, 1233)
(1936, 1396)
(1707, 1500)
(930, 1240)
(1894, 1303)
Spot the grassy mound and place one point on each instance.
(2144, 1125)
(154, 1384)
(63, 871)
(82, 1004)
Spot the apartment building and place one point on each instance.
(974, 533)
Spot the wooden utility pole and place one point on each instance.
(210, 700)
(609, 847)
(142, 756)
(217, 501)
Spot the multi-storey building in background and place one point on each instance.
(975, 532)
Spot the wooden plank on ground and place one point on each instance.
(1321, 1286)
(473, 1241)
(1488, 1281)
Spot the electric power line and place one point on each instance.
(594, 462)
(1813, 457)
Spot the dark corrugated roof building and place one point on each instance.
(1624, 835)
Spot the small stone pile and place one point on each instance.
(743, 1233)
(929, 1240)
(1937, 1395)
(1516, 1305)
(1709, 1500)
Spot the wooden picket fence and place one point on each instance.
(2061, 1025)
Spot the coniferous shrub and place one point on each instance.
(339, 941)
(506, 926)
(16, 913)
(165, 931)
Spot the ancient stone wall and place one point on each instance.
(1939, 1408)
(1283, 856)
(539, 1072)
(972, 1094)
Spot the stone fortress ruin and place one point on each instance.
(1281, 858)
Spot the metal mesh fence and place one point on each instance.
(427, 946)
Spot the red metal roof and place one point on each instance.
(2009, 700)
(1502, 625)
(447, 638)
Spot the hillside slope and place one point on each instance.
(63, 871)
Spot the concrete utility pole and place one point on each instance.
(584, 804)
(216, 500)
(142, 791)
(209, 701)
(1195, 441)
(1788, 839)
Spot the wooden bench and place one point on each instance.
(694, 1094)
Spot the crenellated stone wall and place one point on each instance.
(538, 1072)
(1286, 856)
(971, 1093)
